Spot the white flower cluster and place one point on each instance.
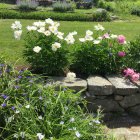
(17, 27)
(71, 76)
(88, 36)
(49, 27)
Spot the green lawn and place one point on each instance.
(13, 48)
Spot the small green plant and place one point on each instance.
(27, 5)
(63, 6)
(135, 11)
(33, 109)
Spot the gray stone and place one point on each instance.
(118, 97)
(77, 85)
(137, 84)
(101, 97)
(130, 101)
(98, 85)
(107, 105)
(122, 86)
(89, 98)
(135, 110)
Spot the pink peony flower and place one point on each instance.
(121, 39)
(135, 77)
(129, 72)
(121, 54)
(106, 36)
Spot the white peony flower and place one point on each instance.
(49, 21)
(88, 38)
(27, 106)
(17, 34)
(47, 33)
(53, 29)
(69, 39)
(89, 33)
(16, 25)
(60, 35)
(39, 24)
(40, 136)
(56, 46)
(113, 36)
(56, 24)
(100, 37)
(73, 33)
(99, 27)
(37, 49)
(96, 42)
(82, 39)
(31, 28)
(41, 30)
(78, 135)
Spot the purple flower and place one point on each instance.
(4, 96)
(19, 76)
(3, 105)
(121, 54)
(16, 87)
(13, 108)
(2, 65)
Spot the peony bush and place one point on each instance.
(100, 53)
(47, 50)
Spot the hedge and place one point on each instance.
(14, 14)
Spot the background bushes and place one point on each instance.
(62, 6)
(13, 14)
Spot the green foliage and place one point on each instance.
(30, 106)
(62, 6)
(101, 15)
(41, 15)
(133, 60)
(101, 59)
(25, 5)
(136, 11)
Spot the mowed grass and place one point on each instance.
(12, 48)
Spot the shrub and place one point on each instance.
(105, 54)
(134, 54)
(25, 5)
(84, 5)
(135, 11)
(46, 48)
(101, 15)
(32, 110)
(40, 15)
(63, 6)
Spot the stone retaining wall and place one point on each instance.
(112, 94)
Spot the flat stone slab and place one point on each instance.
(107, 105)
(137, 84)
(98, 85)
(77, 85)
(130, 101)
(122, 86)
